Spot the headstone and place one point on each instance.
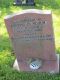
(32, 37)
(24, 2)
(17, 2)
(30, 2)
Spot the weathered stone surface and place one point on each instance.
(32, 37)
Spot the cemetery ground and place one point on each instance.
(7, 56)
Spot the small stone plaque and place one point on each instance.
(32, 37)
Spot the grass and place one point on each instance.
(6, 52)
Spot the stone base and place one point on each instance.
(48, 66)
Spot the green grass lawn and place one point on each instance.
(6, 52)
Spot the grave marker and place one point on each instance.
(24, 2)
(32, 37)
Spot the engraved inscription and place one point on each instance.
(29, 29)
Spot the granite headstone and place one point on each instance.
(24, 2)
(32, 36)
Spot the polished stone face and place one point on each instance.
(24, 2)
(32, 37)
